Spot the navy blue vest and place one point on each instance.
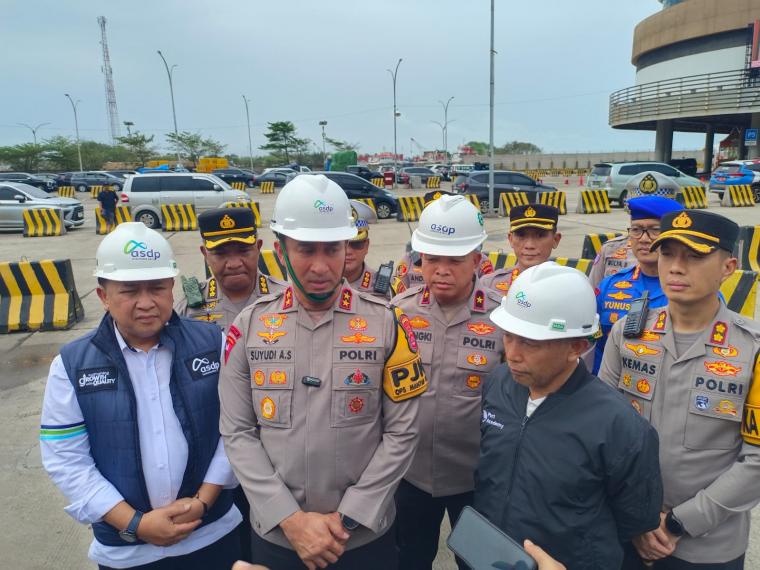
(96, 368)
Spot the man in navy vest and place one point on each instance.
(130, 420)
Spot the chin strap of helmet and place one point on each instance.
(317, 298)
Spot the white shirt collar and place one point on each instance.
(123, 343)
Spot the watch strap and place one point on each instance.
(673, 524)
(134, 523)
(205, 505)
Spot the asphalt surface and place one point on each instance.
(35, 533)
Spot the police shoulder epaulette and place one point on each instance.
(492, 295)
(410, 292)
(365, 296)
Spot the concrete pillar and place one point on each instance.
(709, 145)
(741, 149)
(663, 146)
(754, 151)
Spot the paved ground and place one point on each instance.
(35, 533)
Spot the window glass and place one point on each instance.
(200, 184)
(7, 193)
(175, 183)
(145, 183)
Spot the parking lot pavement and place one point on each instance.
(35, 533)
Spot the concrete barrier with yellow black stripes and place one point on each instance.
(66, 191)
(369, 202)
(267, 187)
(178, 217)
(433, 182)
(740, 292)
(237, 185)
(254, 206)
(410, 208)
(430, 196)
(95, 190)
(749, 248)
(593, 202)
(508, 200)
(501, 260)
(122, 214)
(558, 199)
(592, 243)
(379, 182)
(38, 296)
(738, 196)
(269, 264)
(43, 222)
(692, 197)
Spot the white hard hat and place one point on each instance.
(549, 301)
(134, 252)
(311, 207)
(449, 226)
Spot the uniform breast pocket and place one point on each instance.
(472, 368)
(356, 395)
(713, 421)
(273, 395)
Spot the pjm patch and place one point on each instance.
(94, 379)
(203, 365)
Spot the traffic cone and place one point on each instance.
(567, 182)
(580, 180)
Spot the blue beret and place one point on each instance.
(652, 207)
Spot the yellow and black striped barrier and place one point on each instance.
(178, 217)
(254, 206)
(237, 185)
(368, 201)
(501, 260)
(509, 200)
(267, 187)
(66, 191)
(43, 222)
(433, 182)
(593, 202)
(749, 248)
(430, 196)
(379, 182)
(38, 296)
(581, 264)
(95, 190)
(473, 200)
(692, 197)
(269, 264)
(558, 199)
(740, 292)
(592, 243)
(121, 215)
(738, 196)
(410, 208)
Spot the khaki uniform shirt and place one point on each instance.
(306, 415)
(501, 279)
(711, 476)
(457, 356)
(408, 275)
(217, 308)
(366, 283)
(616, 254)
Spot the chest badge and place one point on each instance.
(273, 320)
(477, 359)
(726, 351)
(473, 381)
(271, 337)
(480, 328)
(259, 377)
(641, 349)
(355, 405)
(358, 378)
(268, 408)
(623, 285)
(721, 368)
(357, 324)
(419, 323)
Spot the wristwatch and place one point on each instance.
(129, 534)
(674, 526)
(348, 522)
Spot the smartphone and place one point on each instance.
(637, 317)
(484, 546)
(383, 280)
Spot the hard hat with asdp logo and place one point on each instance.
(537, 307)
(449, 226)
(134, 252)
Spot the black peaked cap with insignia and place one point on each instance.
(701, 231)
(533, 216)
(223, 225)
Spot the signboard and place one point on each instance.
(750, 137)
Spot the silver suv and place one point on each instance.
(146, 193)
(15, 197)
(613, 176)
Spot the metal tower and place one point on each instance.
(113, 112)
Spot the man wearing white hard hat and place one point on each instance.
(319, 398)
(564, 460)
(459, 346)
(130, 420)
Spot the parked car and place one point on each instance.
(230, 175)
(736, 172)
(15, 197)
(121, 173)
(355, 187)
(82, 181)
(280, 176)
(363, 172)
(38, 181)
(146, 193)
(613, 176)
(405, 173)
(476, 182)
(460, 169)
(441, 170)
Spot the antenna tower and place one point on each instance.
(113, 112)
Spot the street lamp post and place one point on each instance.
(443, 133)
(34, 135)
(394, 73)
(323, 124)
(129, 125)
(491, 204)
(76, 127)
(169, 72)
(446, 125)
(248, 120)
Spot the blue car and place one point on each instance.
(734, 173)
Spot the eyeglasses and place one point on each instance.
(357, 245)
(636, 232)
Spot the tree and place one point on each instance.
(340, 146)
(478, 147)
(61, 154)
(193, 145)
(139, 145)
(518, 147)
(283, 140)
(25, 157)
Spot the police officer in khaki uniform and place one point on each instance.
(533, 236)
(459, 346)
(694, 372)
(408, 272)
(231, 251)
(319, 398)
(358, 275)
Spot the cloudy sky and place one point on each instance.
(307, 61)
